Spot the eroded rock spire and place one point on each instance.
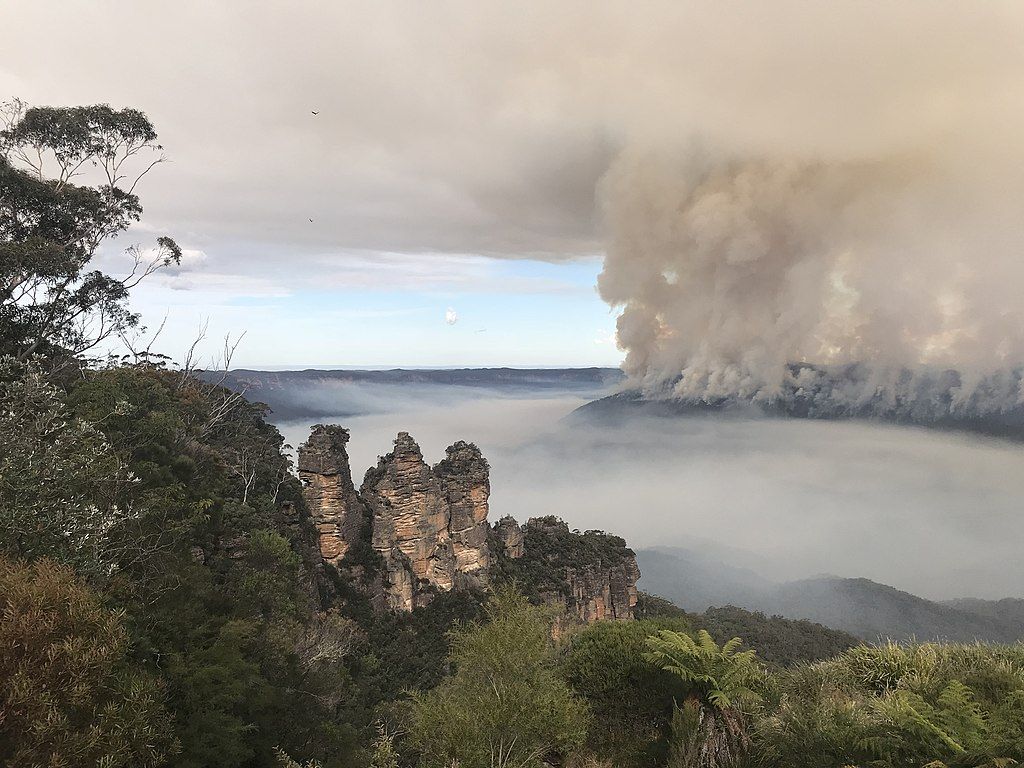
(336, 508)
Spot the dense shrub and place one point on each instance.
(504, 705)
(69, 693)
(631, 699)
(895, 706)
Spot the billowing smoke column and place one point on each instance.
(851, 285)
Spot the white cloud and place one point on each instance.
(192, 259)
(469, 127)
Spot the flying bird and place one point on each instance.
(310, 221)
(315, 112)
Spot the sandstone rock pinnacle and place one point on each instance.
(336, 508)
(413, 531)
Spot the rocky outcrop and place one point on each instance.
(593, 575)
(337, 510)
(410, 524)
(428, 525)
(510, 536)
(413, 531)
(465, 479)
(603, 593)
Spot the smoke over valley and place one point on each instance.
(800, 212)
(730, 267)
(933, 513)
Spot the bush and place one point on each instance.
(893, 706)
(505, 704)
(68, 694)
(631, 699)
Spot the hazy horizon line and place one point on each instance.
(288, 368)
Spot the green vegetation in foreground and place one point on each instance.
(163, 604)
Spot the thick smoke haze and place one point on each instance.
(883, 230)
(486, 127)
(933, 513)
(729, 271)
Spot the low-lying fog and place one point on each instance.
(937, 514)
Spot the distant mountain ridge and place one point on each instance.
(293, 394)
(862, 607)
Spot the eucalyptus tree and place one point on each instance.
(68, 179)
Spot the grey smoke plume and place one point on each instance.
(729, 271)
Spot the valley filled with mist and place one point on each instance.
(930, 512)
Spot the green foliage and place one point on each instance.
(778, 641)
(505, 704)
(630, 698)
(398, 652)
(57, 473)
(892, 706)
(226, 604)
(709, 729)
(721, 677)
(69, 695)
(51, 225)
(384, 754)
(882, 668)
(284, 761)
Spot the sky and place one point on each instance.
(448, 203)
(416, 253)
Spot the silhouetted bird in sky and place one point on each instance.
(310, 221)
(314, 112)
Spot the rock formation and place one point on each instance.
(337, 510)
(428, 530)
(464, 476)
(604, 593)
(428, 525)
(510, 536)
(593, 575)
(411, 520)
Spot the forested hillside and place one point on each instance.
(861, 607)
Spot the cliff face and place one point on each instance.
(510, 536)
(428, 525)
(428, 530)
(465, 479)
(600, 592)
(336, 508)
(593, 574)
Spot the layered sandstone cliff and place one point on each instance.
(465, 478)
(428, 524)
(593, 575)
(337, 510)
(412, 531)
